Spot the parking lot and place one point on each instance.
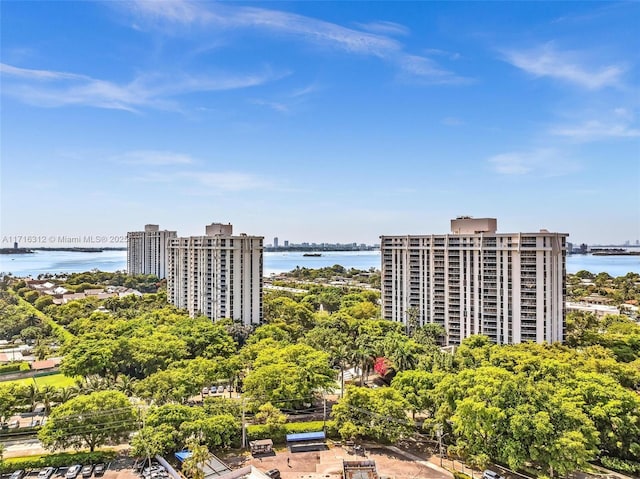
(117, 469)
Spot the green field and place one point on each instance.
(55, 380)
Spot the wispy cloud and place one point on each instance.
(213, 182)
(594, 130)
(548, 61)
(153, 158)
(539, 162)
(374, 40)
(274, 105)
(384, 28)
(53, 88)
(452, 121)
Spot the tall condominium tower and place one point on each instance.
(508, 286)
(218, 275)
(147, 251)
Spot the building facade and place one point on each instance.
(218, 275)
(509, 287)
(147, 251)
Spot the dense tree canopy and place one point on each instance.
(89, 421)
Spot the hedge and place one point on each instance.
(14, 367)
(62, 459)
(620, 464)
(260, 431)
(460, 475)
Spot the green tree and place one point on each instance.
(8, 402)
(272, 417)
(293, 373)
(89, 421)
(193, 466)
(376, 413)
(417, 387)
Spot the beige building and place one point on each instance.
(508, 286)
(147, 251)
(218, 275)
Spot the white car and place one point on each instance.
(46, 473)
(73, 471)
(205, 391)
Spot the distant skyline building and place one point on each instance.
(275, 242)
(507, 286)
(218, 275)
(147, 251)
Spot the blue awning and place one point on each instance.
(306, 436)
(182, 455)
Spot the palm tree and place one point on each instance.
(48, 394)
(125, 384)
(64, 394)
(30, 395)
(91, 384)
(199, 456)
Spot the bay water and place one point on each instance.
(274, 262)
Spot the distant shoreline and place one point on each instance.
(72, 250)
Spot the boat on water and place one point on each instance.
(312, 254)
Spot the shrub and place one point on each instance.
(56, 460)
(460, 475)
(260, 431)
(620, 464)
(14, 367)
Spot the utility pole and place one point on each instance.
(324, 411)
(244, 427)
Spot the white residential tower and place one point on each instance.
(147, 251)
(218, 275)
(508, 286)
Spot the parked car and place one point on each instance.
(14, 424)
(73, 471)
(19, 474)
(273, 473)
(99, 469)
(87, 470)
(46, 473)
(220, 389)
(205, 391)
(491, 475)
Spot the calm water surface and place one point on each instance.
(71, 262)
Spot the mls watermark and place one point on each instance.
(64, 239)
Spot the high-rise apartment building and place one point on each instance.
(508, 286)
(218, 275)
(147, 251)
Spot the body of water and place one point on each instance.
(274, 262)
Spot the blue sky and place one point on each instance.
(320, 121)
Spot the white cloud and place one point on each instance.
(597, 130)
(209, 182)
(150, 90)
(154, 158)
(274, 105)
(540, 162)
(547, 61)
(384, 28)
(221, 16)
(228, 180)
(452, 121)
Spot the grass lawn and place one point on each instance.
(55, 380)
